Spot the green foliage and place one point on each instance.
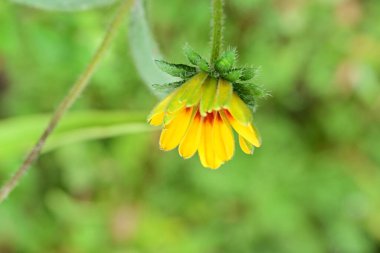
(65, 5)
(168, 87)
(177, 70)
(226, 61)
(17, 134)
(312, 188)
(250, 93)
(232, 75)
(223, 68)
(248, 73)
(195, 58)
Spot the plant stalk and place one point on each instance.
(76, 90)
(217, 29)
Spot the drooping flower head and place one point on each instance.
(203, 111)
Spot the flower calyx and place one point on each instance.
(223, 68)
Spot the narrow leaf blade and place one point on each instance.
(18, 134)
(176, 70)
(144, 50)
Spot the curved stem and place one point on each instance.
(68, 101)
(217, 29)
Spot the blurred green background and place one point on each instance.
(313, 187)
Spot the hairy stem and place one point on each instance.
(68, 101)
(217, 29)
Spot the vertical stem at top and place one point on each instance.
(217, 29)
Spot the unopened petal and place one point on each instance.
(208, 96)
(193, 95)
(223, 94)
(173, 133)
(194, 84)
(176, 104)
(181, 94)
(169, 116)
(186, 92)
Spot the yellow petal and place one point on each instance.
(223, 139)
(202, 146)
(157, 119)
(223, 94)
(246, 146)
(189, 144)
(202, 149)
(239, 110)
(159, 111)
(173, 133)
(246, 131)
(207, 150)
(208, 96)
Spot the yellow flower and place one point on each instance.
(200, 115)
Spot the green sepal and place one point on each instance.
(227, 61)
(232, 75)
(195, 59)
(248, 73)
(250, 93)
(168, 87)
(177, 70)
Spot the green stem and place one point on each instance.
(217, 29)
(68, 101)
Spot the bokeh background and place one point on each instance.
(313, 187)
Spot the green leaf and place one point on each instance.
(19, 134)
(195, 58)
(168, 87)
(248, 73)
(176, 70)
(144, 50)
(250, 93)
(233, 75)
(227, 61)
(65, 5)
